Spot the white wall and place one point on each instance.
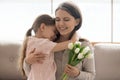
(16, 16)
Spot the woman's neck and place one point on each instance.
(63, 38)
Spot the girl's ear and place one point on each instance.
(77, 21)
(42, 27)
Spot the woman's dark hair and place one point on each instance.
(74, 11)
(46, 19)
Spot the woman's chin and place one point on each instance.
(64, 34)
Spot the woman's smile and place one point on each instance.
(63, 28)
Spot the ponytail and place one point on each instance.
(29, 32)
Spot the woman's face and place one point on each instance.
(65, 23)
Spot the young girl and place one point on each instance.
(42, 42)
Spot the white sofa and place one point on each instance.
(107, 61)
(9, 60)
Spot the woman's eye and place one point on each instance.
(66, 19)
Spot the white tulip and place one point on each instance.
(77, 50)
(77, 42)
(90, 56)
(70, 46)
(80, 55)
(85, 50)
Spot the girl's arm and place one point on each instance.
(61, 46)
(64, 45)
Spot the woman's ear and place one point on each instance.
(42, 27)
(77, 21)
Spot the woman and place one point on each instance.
(68, 21)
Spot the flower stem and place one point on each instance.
(72, 58)
(64, 76)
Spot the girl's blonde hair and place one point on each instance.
(47, 20)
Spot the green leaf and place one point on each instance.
(87, 54)
(82, 47)
(71, 53)
(76, 62)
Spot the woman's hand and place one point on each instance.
(35, 57)
(71, 71)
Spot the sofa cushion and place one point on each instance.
(9, 52)
(107, 61)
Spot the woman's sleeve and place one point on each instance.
(89, 70)
(26, 68)
(88, 66)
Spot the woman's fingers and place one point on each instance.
(40, 55)
(71, 71)
(66, 69)
(33, 50)
(34, 57)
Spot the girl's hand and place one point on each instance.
(71, 71)
(35, 57)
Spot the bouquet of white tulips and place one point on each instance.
(76, 54)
